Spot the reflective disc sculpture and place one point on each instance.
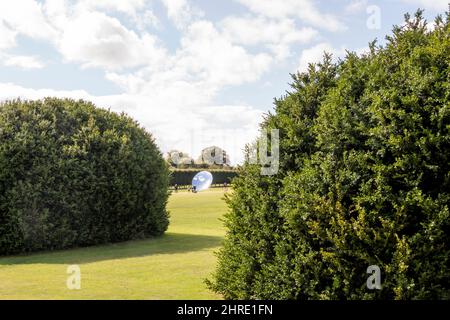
(202, 181)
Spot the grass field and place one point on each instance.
(171, 267)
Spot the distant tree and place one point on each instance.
(213, 157)
(179, 159)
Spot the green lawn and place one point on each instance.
(171, 267)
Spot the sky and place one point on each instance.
(194, 73)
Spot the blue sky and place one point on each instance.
(194, 73)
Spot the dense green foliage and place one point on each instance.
(75, 175)
(183, 177)
(210, 158)
(364, 180)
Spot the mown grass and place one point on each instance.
(171, 267)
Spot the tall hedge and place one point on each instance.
(72, 175)
(364, 180)
(183, 177)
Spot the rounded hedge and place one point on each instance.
(72, 175)
(364, 180)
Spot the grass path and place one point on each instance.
(171, 267)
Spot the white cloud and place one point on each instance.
(356, 6)
(206, 52)
(205, 62)
(12, 91)
(315, 54)
(305, 10)
(277, 35)
(26, 17)
(57, 12)
(137, 10)
(181, 12)
(24, 62)
(7, 36)
(147, 19)
(129, 7)
(97, 40)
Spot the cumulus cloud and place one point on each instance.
(23, 62)
(10, 91)
(26, 17)
(129, 7)
(277, 35)
(356, 6)
(192, 76)
(97, 40)
(204, 51)
(181, 12)
(7, 36)
(147, 19)
(305, 10)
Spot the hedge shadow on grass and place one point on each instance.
(170, 243)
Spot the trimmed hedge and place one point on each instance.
(364, 180)
(75, 175)
(184, 177)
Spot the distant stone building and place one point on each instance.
(177, 158)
